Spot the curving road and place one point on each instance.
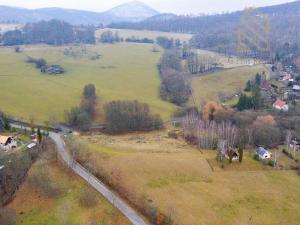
(117, 202)
(93, 181)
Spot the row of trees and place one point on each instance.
(168, 43)
(200, 63)
(53, 32)
(110, 37)
(253, 131)
(175, 87)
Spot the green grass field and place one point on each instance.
(125, 33)
(33, 207)
(208, 87)
(124, 71)
(178, 179)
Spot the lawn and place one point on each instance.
(226, 82)
(126, 33)
(179, 180)
(33, 207)
(124, 71)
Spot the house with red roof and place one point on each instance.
(281, 105)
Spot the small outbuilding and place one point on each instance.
(7, 142)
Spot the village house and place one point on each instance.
(281, 105)
(263, 153)
(7, 143)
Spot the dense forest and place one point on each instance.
(53, 32)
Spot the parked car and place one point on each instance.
(263, 153)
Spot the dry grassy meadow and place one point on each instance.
(33, 207)
(190, 186)
(227, 82)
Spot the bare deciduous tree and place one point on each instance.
(207, 134)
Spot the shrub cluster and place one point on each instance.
(7, 216)
(122, 116)
(80, 116)
(12, 175)
(87, 198)
(41, 180)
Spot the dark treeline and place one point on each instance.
(124, 116)
(53, 32)
(140, 40)
(111, 37)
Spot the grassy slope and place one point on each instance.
(33, 208)
(125, 71)
(178, 179)
(124, 33)
(229, 81)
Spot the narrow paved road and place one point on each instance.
(117, 202)
(98, 185)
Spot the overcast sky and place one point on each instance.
(174, 6)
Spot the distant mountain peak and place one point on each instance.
(133, 10)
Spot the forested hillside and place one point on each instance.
(219, 32)
(53, 32)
